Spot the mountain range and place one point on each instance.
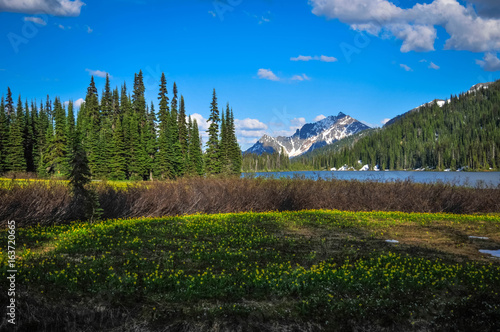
(330, 130)
(311, 136)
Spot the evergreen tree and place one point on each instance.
(138, 157)
(117, 165)
(91, 127)
(234, 148)
(70, 125)
(16, 160)
(212, 155)
(139, 101)
(28, 139)
(225, 163)
(4, 138)
(9, 105)
(183, 130)
(85, 202)
(150, 141)
(35, 124)
(42, 133)
(107, 100)
(56, 161)
(177, 158)
(195, 153)
(164, 165)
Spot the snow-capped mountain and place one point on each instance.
(310, 136)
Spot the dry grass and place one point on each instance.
(50, 202)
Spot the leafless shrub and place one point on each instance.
(50, 202)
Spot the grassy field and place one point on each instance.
(306, 271)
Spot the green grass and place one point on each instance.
(315, 269)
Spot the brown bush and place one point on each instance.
(42, 203)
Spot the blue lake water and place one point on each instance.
(458, 178)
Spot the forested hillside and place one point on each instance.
(122, 135)
(464, 132)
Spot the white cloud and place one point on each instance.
(423, 60)
(36, 20)
(416, 26)
(319, 118)
(78, 102)
(249, 124)
(60, 26)
(98, 73)
(384, 121)
(322, 58)
(302, 58)
(325, 58)
(212, 13)
(302, 77)
(201, 121)
(434, 66)
(267, 75)
(405, 67)
(490, 62)
(50, 7)
(89, 29)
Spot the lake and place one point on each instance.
(459, 178)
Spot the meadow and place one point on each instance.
(309, 270)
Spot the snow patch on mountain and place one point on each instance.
(311, 136)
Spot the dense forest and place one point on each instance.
(464, 133)
(123, 138)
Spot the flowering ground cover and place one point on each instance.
(307, 270)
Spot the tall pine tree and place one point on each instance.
(16, 161)
(212, 154)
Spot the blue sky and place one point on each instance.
(278, 63)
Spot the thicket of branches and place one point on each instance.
(47, 203)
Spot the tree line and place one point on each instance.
(122, 136)
(463, 133)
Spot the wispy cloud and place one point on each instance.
(267, 74)
(50, 7)
(211, 12)
(98, 73)
(35, 19)
(322, 58)
(260, 18)
(384, 121)
(405, 67)
(302, 77)
(319, 118)
(490, 62)
(434, 66)
(89, 29)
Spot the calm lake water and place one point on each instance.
(459, 178)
